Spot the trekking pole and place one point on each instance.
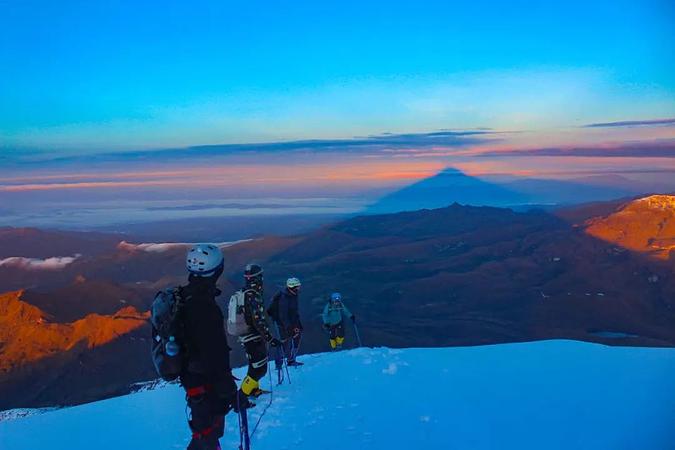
(284, 363)
(356, 332)
(244, 439)
(280, 351)
(269, 374)
(280, 367)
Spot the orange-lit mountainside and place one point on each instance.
(28, 334)
(459, 275)
(646, 225)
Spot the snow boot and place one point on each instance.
(257, 392)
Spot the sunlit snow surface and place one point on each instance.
(543, 395)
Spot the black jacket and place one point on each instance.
(284, 310)
(208, 355)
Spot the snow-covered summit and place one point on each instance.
(543, 395)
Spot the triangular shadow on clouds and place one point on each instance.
(451, 185)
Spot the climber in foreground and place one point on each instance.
(246, 320)
(333, 314)
(206, 375)
(284, 311)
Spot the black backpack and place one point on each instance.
(168, 329)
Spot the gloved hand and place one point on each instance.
(240, 402)
(326, 326)
(274, 342)
(353, 318)
(296, 331)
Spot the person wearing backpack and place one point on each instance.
(285, 313)
(246, 320)
(199, 340)
(333, 314)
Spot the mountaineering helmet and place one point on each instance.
(253, 274)
(204, 260)
(252, 271)
(293, 283)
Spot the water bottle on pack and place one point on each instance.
(172, 348)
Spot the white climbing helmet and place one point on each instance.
(293, 283)
(204, 260)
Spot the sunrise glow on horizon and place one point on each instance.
(149, 102)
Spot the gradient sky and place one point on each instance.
(112, 100)
(100, 76)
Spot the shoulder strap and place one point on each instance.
(180, 298)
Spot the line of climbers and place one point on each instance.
(189, 340)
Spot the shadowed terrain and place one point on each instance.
(460, 275)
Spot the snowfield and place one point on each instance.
(542, 395)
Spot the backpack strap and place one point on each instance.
(179, 295)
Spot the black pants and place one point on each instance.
(289, 346)
(256, 353)
(207, 421)
(337, 331)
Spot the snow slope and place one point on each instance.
(542, 395)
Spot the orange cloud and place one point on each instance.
(342, 172)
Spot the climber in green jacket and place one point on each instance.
(333, 314)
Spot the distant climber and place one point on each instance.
(284, 310)
(246, 320)
(206, 376)
(333, 314)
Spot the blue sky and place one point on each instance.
(101, 76)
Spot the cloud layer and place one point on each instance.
(664, 149)
(53, 263)
(165, 246)
(631, 123)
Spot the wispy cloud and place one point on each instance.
(631, 123)
(166, 246)
(661, 149)
(359, 144)
(310, 172)
(53, 263)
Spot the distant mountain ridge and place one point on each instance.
(464, 275)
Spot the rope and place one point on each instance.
(269, 374)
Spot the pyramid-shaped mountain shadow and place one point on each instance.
(454, 186)
(446, 187)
